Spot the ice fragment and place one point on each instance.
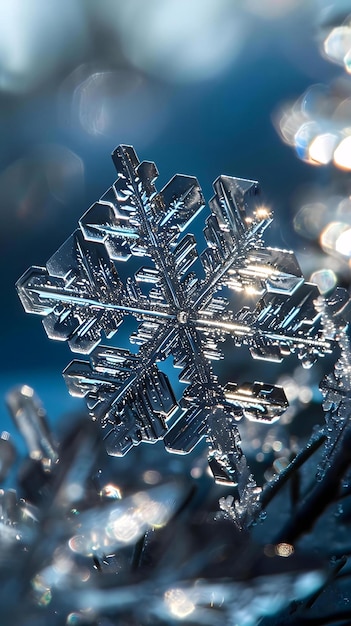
(30, 418)
(7, 454)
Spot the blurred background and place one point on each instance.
(252, 88)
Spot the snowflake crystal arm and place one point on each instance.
(128, 394)
(133, 257)
(79, 293)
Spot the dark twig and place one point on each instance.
(272, 488)
(321, 496)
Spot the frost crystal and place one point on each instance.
(133, 258)
(336, 386)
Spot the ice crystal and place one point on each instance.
(133, 257)
(248, 506)
(76, 549)
(336, 386)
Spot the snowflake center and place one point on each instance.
(182, 317)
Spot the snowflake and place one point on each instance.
(133, 258)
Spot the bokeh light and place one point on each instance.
(33, 41)
(284, 549)
(336, 239)
(122, 522)
(337, 45)
(322, 148)
(325, 279)
(318, 125)
(34, 186)
(113, 103)
(342, 154)
(323, 218)
(177, 40)
(179, 603)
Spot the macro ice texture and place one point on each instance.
(134, 260)
(336, 386)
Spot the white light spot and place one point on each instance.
(342, 154)
(322, 148)
(178, 603)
